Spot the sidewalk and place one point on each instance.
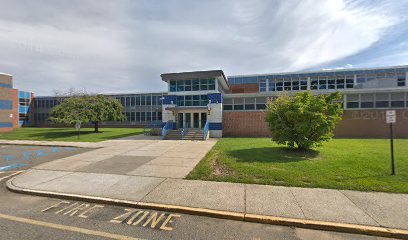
(156, 182)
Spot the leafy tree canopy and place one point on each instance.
(304, 120)
(87, 108)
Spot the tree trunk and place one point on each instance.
(96, 124)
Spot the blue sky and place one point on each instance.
(124, 46)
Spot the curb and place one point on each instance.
(62, 144)
(292, 222)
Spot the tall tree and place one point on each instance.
(304, 120)
(87, 109)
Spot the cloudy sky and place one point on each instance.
(124, 46)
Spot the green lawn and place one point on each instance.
(355, 164)
(69, 134)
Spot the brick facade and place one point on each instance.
(355, 124)
(244, 88)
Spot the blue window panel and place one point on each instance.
(6, 124)
(169, 98)
(3, 85)
(20, 122)
(215, 126)
(215, 97)
(6, 105)
(23, 109)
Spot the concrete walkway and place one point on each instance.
(150, 171)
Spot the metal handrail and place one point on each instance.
(206, 128)
(168, 126)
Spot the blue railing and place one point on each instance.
(168, 126)
(206, 128)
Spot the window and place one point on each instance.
(322, 82)
(227, 104)
(331, 84)
(287, 85)
(188, 100)
(142, 116)
(352, 101)
(180, 85)
(249, 103)
(295, 84)
(211, 84)
(262, 85)
(148, 116)
(271, 85)
(154, 100)
(382, 100)
(203, 84)
(196, 85)
(349, 83)
(173, 86)
(401, 81)
(314, 84)
(196, 100)
(187, 85)
(279, 85)
(148, 100)
(180, 101)
(137, 100)
(340, 83)
(397, 100)
(204, 100)
(137, 117)
(260, 103)
(367, 100)
(303, 84)
(127, 102)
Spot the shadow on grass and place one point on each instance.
(88, 134)
(272, 155)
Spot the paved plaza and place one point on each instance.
(146, 170)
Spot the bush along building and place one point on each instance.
(209, 104)
(14, 105)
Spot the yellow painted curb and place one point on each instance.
(294, 222)
(328, 226)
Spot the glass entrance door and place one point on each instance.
(203, 119)
(196, 120)
(188, 120)
(180, 120)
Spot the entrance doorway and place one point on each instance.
(191, 119)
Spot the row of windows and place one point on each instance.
(140, 100)
(323, 83)
(192, 100)
(239, 104)
(256, 79)
(143, 116)
(377, 100)
(45, 103)
(192, 85)
(363, 100)
(41, 117)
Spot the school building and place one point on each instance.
(208, 103)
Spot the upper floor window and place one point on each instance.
(192, 85)
(401, 81)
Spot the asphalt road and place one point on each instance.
(32, 217)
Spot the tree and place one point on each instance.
(87, 108)
(303, 121)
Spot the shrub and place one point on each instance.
(304, 120)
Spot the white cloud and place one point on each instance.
(126, 45)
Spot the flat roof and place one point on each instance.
(322, 71)
(6, 74)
